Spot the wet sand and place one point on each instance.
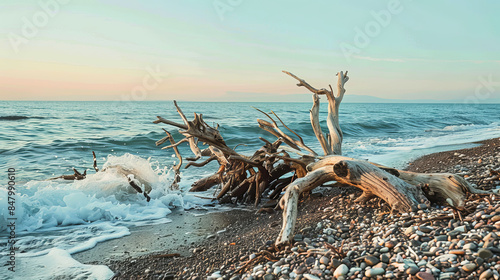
(186, 229)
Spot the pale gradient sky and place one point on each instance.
(102, 50)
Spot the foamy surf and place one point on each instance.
(58, 264)
(57, 218)
(398, 151)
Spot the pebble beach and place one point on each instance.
(339, 239)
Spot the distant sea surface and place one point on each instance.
(42, 140)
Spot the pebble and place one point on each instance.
(425, 229)
(341, 270)
(374, 272)
(457, 252)
(422, 206)
(486, 274)
(446, 258)
(484, 254)
(470, 246)
(469, 267)
(270, 277)
(371, 260)
(311, 277)
(297, 237)
(441, 238)
(447, 275)
(324, 260)
(425, 276)
(412, 270)
(410, 231)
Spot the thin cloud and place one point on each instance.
(378, 59)
(425, 60)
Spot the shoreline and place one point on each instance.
(247, 233)
(185, 229)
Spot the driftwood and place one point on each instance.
(241, 178)
(129, 174)
(272, 170)
(403, 191)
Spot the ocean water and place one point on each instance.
(57, 218)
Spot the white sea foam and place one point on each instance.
(399, 151)
(56, 264)
(74, 216)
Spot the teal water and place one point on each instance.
(43, 139)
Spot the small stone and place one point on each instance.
(469, 267)
(486, 274)
(270, 277)
(447, 275)
(422, 206)
(341, 270)
(384, 258)
(371, 260)
(412, 270)
(311, 277)
(297, 237)
(425, 229)
(335, 263)
(495, 218)
(446, 258)
(457, 252)
(324, 260)
(390, 244)
(421, 263)
(384, 250)
(409, 231)
(310, 260)
(425, 276)
(470, 246)
(441, 238)
(460, 229)
(485, 254)
(374, 272)
(409, 263)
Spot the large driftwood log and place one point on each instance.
(442, 187)
(374, 181)
(401, 190)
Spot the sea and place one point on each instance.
(54, 219)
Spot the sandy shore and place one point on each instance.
(244, 235)
(186, 229)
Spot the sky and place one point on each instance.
(235, 50)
